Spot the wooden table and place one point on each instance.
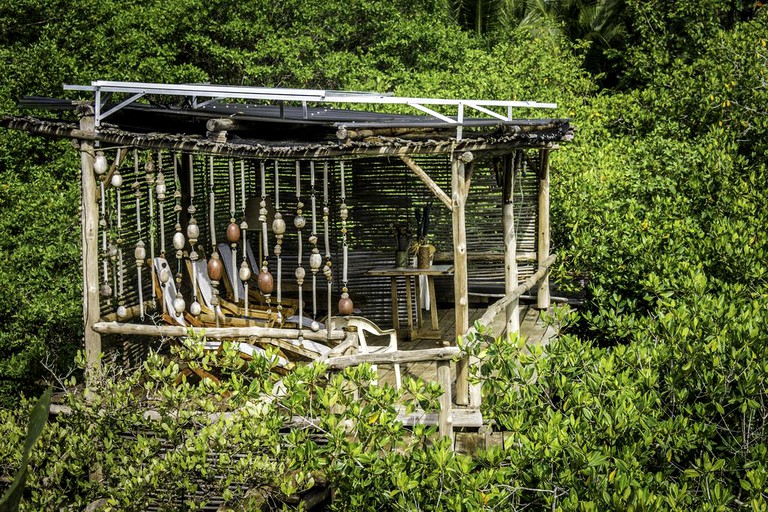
(393, 273)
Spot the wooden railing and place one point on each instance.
(500, 307)
(440, 356)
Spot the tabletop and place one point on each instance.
(434, 270)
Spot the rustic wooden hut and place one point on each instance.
(233, 161)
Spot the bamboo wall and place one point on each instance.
(380, 192)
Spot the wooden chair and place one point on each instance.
(364, 326)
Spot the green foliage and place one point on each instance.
(672, 421)
(37, 420)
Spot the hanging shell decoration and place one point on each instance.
(178, 303)
(193, 230)
(245, 271)
(100, 163)
(117, 179)
(165, 274)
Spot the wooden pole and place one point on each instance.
(179, 331)
(445, 417)
(90, 248)
(510, 242)
(542, 301)
(460, 284)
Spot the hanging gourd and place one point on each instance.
(233, 229)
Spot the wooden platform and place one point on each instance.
(532, 327)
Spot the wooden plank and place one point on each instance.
(462, 418)
(213, 332)
(399, 356)
(500, 305)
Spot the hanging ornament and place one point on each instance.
(327, 268)
(178, 240)
(149, 178)
(346, 307)
(139, 252)
(160, 190)
(100, 163)
(299, 222)
(178, 303)
(117, 179)
(315, 260)
(104, 290)
(233, 229)
(193, 232)
(265, 281)
(215, 267)
(245, 271)
(278, 228)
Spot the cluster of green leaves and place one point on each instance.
(673, 421)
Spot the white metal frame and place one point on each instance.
(210, 93)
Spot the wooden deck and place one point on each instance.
(532, 327)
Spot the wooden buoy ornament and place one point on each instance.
(215, 268)
(265, 281)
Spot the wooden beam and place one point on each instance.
(90, 250)
(320, 150)
(447, 256)
(501, 304)
(431, 185)
(460, 275)
(396, 357)
(510, 242)
(542, 298)
(179, 331)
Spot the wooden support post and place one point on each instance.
(460, 284)
(445, 417)
(90, 248)
(542, 301)
(510, 242)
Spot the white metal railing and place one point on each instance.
(208, 93)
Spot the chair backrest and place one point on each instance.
(168, 290)
(365, 326)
